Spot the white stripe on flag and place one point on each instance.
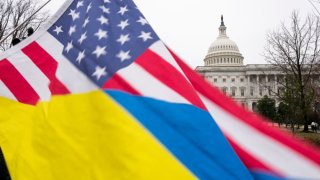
(33, 75)
(5, 92)
(67, 73)
(160, 49)
(148, 85)
(268, 151)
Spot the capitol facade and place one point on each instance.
(224, 68)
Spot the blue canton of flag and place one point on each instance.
(102, 36)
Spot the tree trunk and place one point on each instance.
(292, 127)
(306, 126)
(305, 115)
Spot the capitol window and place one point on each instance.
(251, 91)
(241, 80)
(233, 80)
(224, 90)
(215, 80)
(233, 91)
(224, 80)
(242, 91)
(281, 90)
(251, 79)
(269, 90)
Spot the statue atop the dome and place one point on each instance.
(222, 23)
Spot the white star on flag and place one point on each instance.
(142, 21)
(89, 7)
(123, 24)
(81, 55)
(82, 38)
(123, 39)
(100, 51)
(79, 4)
(72, 30)
(123, 10)
(86, 21)
(104, 9)
(102, 20)
(74, 15)
(58, 29)
(99, 72)
(69, 46)
(123, 55)
(101, 34)
(145, 36)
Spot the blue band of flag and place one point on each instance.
(189, 133)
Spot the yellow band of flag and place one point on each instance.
(86, 136)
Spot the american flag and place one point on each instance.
(89, 45)
(97, 37)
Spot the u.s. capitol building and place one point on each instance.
(224, 68)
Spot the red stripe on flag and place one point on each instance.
(47, 64)
(250, 119)
(17, 84)
(168, 75)
(118, 83)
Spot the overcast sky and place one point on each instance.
(189, 26)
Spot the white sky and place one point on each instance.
(190, 26)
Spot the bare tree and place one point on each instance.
(16, 12)
(295, 51)
(316, 5)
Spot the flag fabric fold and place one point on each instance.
(95, 94)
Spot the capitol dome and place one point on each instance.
(223, 51)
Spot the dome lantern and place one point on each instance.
(222, 28)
